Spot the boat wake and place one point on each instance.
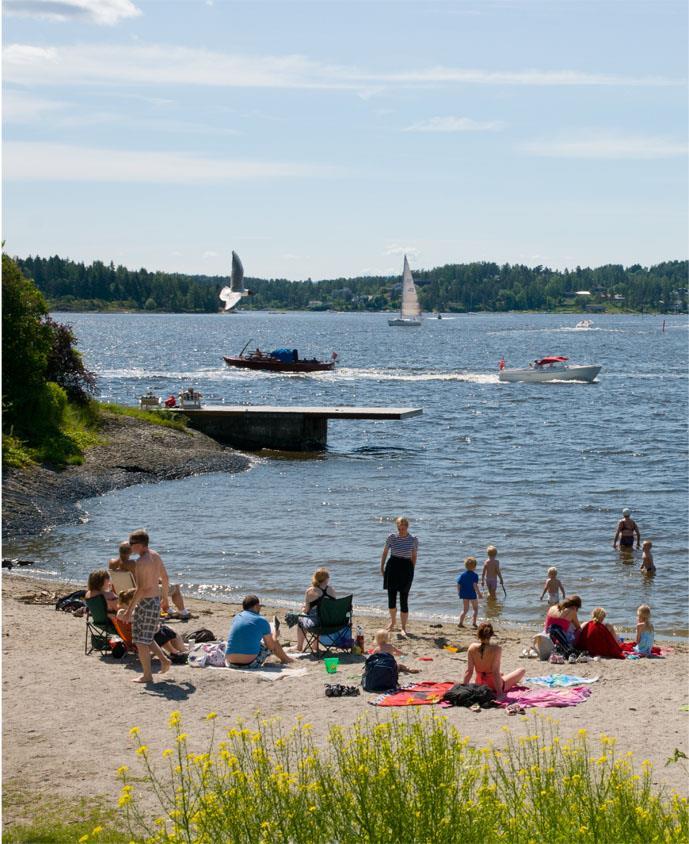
(351, 374)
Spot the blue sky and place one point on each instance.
(325, 138)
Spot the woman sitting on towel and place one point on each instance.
(319, 590)
(564, 616)
(484, 659)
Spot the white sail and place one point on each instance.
(410, 301)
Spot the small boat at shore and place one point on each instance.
(553, 368)
(279, 360)
(149, 400)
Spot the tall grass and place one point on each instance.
(408, 780)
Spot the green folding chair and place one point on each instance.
(99, 627)
(334, 628)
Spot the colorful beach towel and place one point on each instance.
(559, 681)
(544, 698)
(415, 694)
(628, 648)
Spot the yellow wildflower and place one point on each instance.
(134, 731)
(211, 716)
(141, 751)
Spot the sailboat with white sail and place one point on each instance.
(410, 312)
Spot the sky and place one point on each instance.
(328, 138)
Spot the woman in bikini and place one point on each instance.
(564, 616)
(319, 590)
(484, 659)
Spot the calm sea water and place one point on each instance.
(542, 471)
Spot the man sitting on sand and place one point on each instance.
(251, 640)
(124, 563)
(144, 610)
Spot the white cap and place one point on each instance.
(626, 511)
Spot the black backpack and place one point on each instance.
(198, 636)
(380, 673)
(71, 602)
(467, 694)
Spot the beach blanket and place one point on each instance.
(544, 698)
(265, 672)
(628, 648)
(559, 681)
(415, 694)
(597, 640)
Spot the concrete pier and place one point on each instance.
(255, 427)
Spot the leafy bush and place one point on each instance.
(413, 780)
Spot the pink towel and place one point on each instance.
(545, 697)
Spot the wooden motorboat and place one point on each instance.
(279, 360)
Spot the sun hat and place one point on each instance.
(626, 511)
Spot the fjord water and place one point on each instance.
(542, 471)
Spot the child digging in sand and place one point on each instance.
(383, 646)
(491, 573)
(553, 586)
(467, 590)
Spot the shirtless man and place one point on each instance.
(626, 529)
(144, 611)
(124, 563)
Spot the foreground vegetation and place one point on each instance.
(479, 286)
(411, 780)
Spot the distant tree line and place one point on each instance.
(479, 286)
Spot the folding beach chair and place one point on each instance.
(98, 625)
(334, 630)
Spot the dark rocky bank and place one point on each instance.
(132, 452)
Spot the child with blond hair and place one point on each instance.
(553, 586)
(598, 615)
(491, 572)
(384, 646)
(468, 590)
(644, 631)
(647, 565)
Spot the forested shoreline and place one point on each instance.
(480, 286)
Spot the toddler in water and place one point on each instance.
(644, 631)
(647, 565)
(491, 572)
(383, 646)
(467, 590)
(553, 586)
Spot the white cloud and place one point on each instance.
(455, 124)
(608, 146)
(22, 108)
(209, 254)
(168, 65)
(33, 161)
(396, 249)
(104, 12)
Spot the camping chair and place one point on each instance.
(98, 624)
(335, 624)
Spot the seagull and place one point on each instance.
(231, 295)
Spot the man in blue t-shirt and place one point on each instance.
(467, 590)
(251, 640)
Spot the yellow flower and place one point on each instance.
(96, 830)
(175, 718)
(583, 732)
(83, 839)
(141, 751)
(167, 752)
(124, 800)
(211, 716)
(134, 731)
(122, 770)
(182, 737)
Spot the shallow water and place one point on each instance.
(542, 471)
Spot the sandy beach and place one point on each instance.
(67, 715)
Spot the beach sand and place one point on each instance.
(67, 715)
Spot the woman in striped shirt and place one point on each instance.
(398, 574)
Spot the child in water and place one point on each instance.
(491, 572)
(644, 631)
(647, 565)
(553, 586)
(467, 590)
(383, 646)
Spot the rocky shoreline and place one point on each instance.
(131, 452)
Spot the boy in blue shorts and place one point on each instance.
(468, 590)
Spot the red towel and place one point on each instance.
(417, 694)
(597, 640)
(628, 648)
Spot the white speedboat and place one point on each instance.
(584, 324)
(410, 312)
(149, 400)
(554, 368)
